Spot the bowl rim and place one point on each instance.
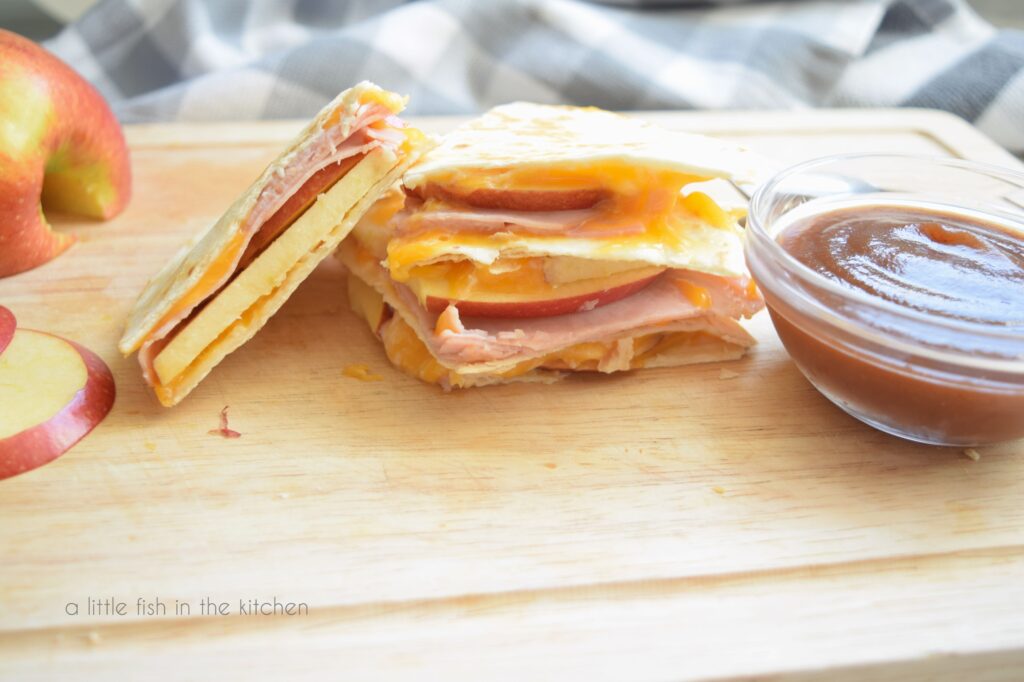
(755, 229)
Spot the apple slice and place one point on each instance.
(568, 269)
(516, 199)
(52, 393)
(367, 303)
(577, 297)
(296, 205)
(7, 326)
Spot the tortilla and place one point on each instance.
(539, 137)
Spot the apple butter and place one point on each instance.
(957, 282)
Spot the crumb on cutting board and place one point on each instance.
(972, 454)
(223, 431)
(724, 374)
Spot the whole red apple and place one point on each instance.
(60, 147)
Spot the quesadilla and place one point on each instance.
(538, 240)
(219, 290)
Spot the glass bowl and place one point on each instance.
(927, 378)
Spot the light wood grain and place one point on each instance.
(662, 525)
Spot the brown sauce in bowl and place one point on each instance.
(943, 266)
(940, 264)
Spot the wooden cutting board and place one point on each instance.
(668, 524)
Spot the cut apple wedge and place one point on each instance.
(367, 303)
(568, 269)
(62, 148)
(52, 393)
(571, 298)
(7, 326)
(296, 205)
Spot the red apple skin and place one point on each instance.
(516, 199)
(62, 148)
(43, 443)
(548, 308)
(7, 326)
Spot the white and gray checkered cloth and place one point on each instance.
(202, 60)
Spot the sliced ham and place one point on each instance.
(390, 134)
(660, 307)
(332, 145)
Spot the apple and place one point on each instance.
(60, 148)
(367, 303)
(7, 327)
(296, 205)
(52, 393)
(516, 199)
(567, 269)
(580, 296)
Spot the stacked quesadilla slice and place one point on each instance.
(538, 240)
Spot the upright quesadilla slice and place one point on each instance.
(538, 239)
(219, 290)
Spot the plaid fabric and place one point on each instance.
(245, 59)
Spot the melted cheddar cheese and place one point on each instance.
(694, 293)
(407, 352)
(705, 208)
